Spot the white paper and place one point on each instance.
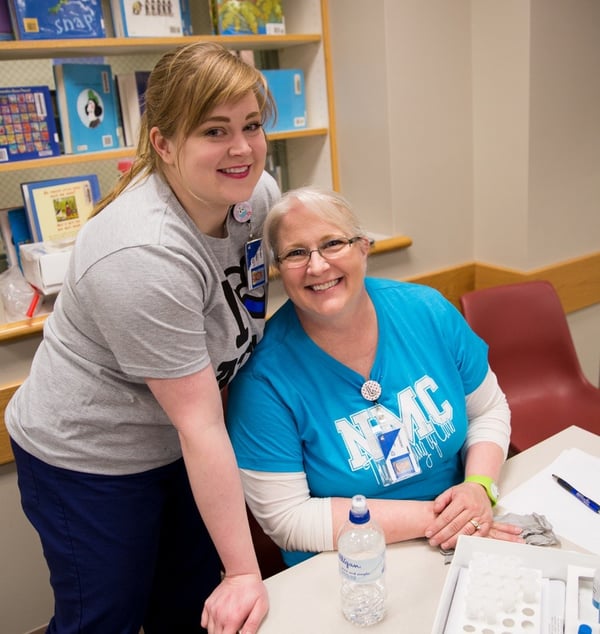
(569, 517)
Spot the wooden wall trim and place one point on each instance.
(451, 282)
(577, 282)
(6, 393)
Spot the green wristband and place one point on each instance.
(491, 488)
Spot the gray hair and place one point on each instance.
(326, 203)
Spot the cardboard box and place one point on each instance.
(574, 569)
(45, 265)
(287, 87)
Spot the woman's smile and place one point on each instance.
(324, 286)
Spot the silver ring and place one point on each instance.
(476, 524)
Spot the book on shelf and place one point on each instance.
(87, 107)
(147, 18)
(27, 124)
(15, 232)
(57, 208)
(186, 17)
(6, 30)
(276, 164)
(287, 88)
(247, 17)
(131, 88)
(57, 19)
(4, 263)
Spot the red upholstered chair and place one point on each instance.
(533, 356)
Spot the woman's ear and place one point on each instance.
(163, 146)
(366, 245)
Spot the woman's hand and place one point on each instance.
(465, 509)
(238, 604)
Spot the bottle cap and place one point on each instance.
(359, 513)
(584, 629)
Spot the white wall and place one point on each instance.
(473, 127)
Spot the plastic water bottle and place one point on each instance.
(361, 553)
(596, 592)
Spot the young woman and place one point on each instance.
(124, 463)
(363, 385)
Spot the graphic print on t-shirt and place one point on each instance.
(392, 445)
(235, 289)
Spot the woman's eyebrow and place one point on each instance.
(225, 119)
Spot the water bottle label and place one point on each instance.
(362, 570)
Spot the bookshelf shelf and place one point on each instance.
(25, 328)
(47, 49)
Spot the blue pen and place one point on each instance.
(594, 506)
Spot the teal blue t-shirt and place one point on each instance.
(295, 408)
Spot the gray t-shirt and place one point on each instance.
(146, 295)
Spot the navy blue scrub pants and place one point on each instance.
(123, 551)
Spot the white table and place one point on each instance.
(305, 598)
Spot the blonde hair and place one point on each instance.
(326, 203)
(186, 84)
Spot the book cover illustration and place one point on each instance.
(147, 18)
(6, 30)
(87, 107)
(252, 17)
(131, 88)
(57, 19)
(59, 207)
(27, 124)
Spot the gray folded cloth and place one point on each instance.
(536, 529)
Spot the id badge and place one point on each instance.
(256, 271)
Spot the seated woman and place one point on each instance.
(363, 385)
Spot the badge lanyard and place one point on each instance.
(256, 272)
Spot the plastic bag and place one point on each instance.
(16, 294)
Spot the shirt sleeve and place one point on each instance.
(159, 297)
(489, 415)
(283, 506)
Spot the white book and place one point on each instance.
(131, 88)
(147, 18)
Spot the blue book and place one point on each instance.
(87, 107)
(57, 19)
(57, 208)
(27, 124)
(15, 232)
(186, 17)
(287, 88)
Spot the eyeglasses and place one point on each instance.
(329, 250)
